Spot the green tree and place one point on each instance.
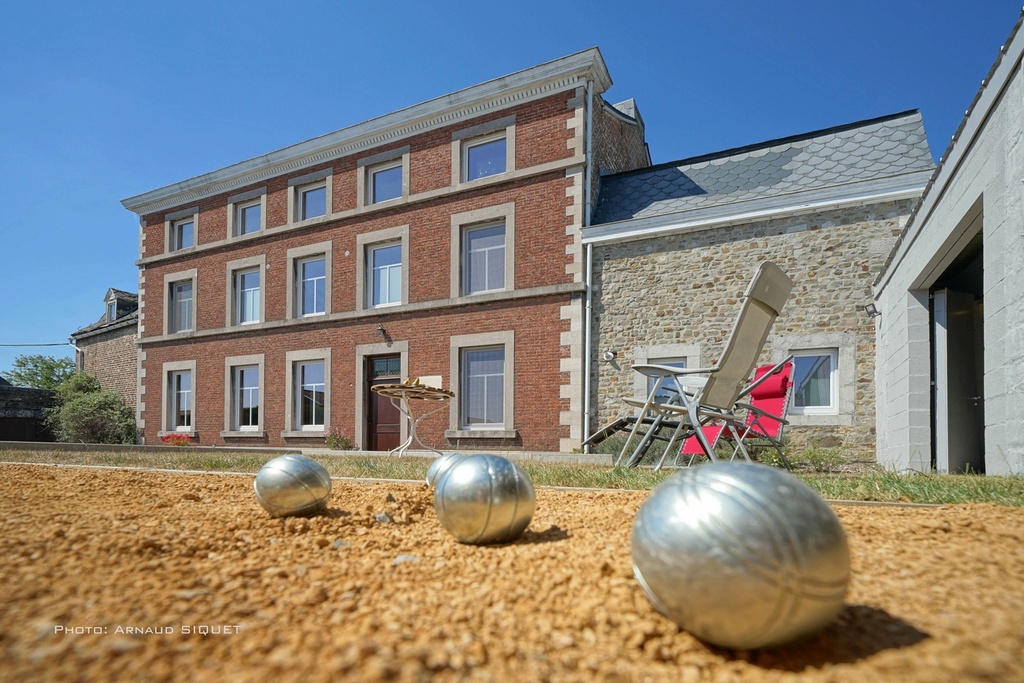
(39, 372)
(84, 413)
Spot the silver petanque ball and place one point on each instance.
(483, 499)
(741, 555)
(440, 465)
(292, 485)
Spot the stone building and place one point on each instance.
(106, 349)
(441, 241)
(673, 246)
(951, 323)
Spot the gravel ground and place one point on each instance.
(142, 575)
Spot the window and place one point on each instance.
(181, 306)
(181, 401)
(382, 271)
(247, 297)
(484, 157)
(483, 388)
(482, 372)
(484, 259)
(310, 396)
(248, 218)
(183, 235)
(309, 196)
(180, 229)
(385, 268)
(385, 183)
(311, 279)
(484, 150)
(815, 382)
(246, 398)
(111, 311)
(307, 392)
(667, 389)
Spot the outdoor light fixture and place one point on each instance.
(608, 356)
(871, 310)
(380, 329)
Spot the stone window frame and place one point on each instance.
(292, 360)
(167, 404)
(467, 220)
(231, 364)
(303, 183)
(656, 353)
(364, 244)
(234, 269)
(297, 255)
(244, 200)
(845, 345)
(457, 345)
(467, 137)
(383, 161)
(171, 223)
(170, 280)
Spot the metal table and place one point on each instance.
(401, 397)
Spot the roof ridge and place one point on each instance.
(767, 143)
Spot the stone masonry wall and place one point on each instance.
(112, 359)
(682, 291)
(618, 145)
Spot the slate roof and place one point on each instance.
(884, 147)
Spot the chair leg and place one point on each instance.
(699, 433)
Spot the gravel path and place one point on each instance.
(133, 575)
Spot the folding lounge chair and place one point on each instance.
(768, 398)
(709, 393)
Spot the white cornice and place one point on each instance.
(871, 192)
(500, 93)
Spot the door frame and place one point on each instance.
(363, 352)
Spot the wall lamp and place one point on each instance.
(871, 310)
(380, 330)
(608, 356)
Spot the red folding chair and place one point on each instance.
(768, 403)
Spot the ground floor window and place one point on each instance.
(483, 388)
(247, 398)
(815, 385)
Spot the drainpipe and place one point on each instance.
(588, 309)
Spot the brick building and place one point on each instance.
(441, 241)
(673, 247)
(106, 349)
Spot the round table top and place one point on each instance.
(412, 391)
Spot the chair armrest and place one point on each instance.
(758, 411)
(655, 370)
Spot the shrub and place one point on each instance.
(84, 413)
(337, 440)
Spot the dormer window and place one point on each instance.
(112, 311)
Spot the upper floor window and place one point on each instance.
(111, 311)
(815, 382)
(385, 182)
(247, 297)
(247, 212)
(386, 275)
(181, 307)
(484, 156)
(184, 234)
(484, 259)
(310, 196)
(311, 280)
(248, 218)
(483, 150)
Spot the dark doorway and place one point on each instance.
(384, 422)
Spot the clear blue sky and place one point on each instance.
(103, 100)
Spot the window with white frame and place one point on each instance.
(181, 306)
(311, 280)
(245, 394)
(484, 156)
(247, 296)
(384, 264)
(183, 234)
(667, 390)
(310, 395)
(180, 397)
(815, 382)
(384, 182)
(483, 388)
(309, 196)
(312, 201)
(483, 258)
(248, 217)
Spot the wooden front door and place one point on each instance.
(384, 421)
